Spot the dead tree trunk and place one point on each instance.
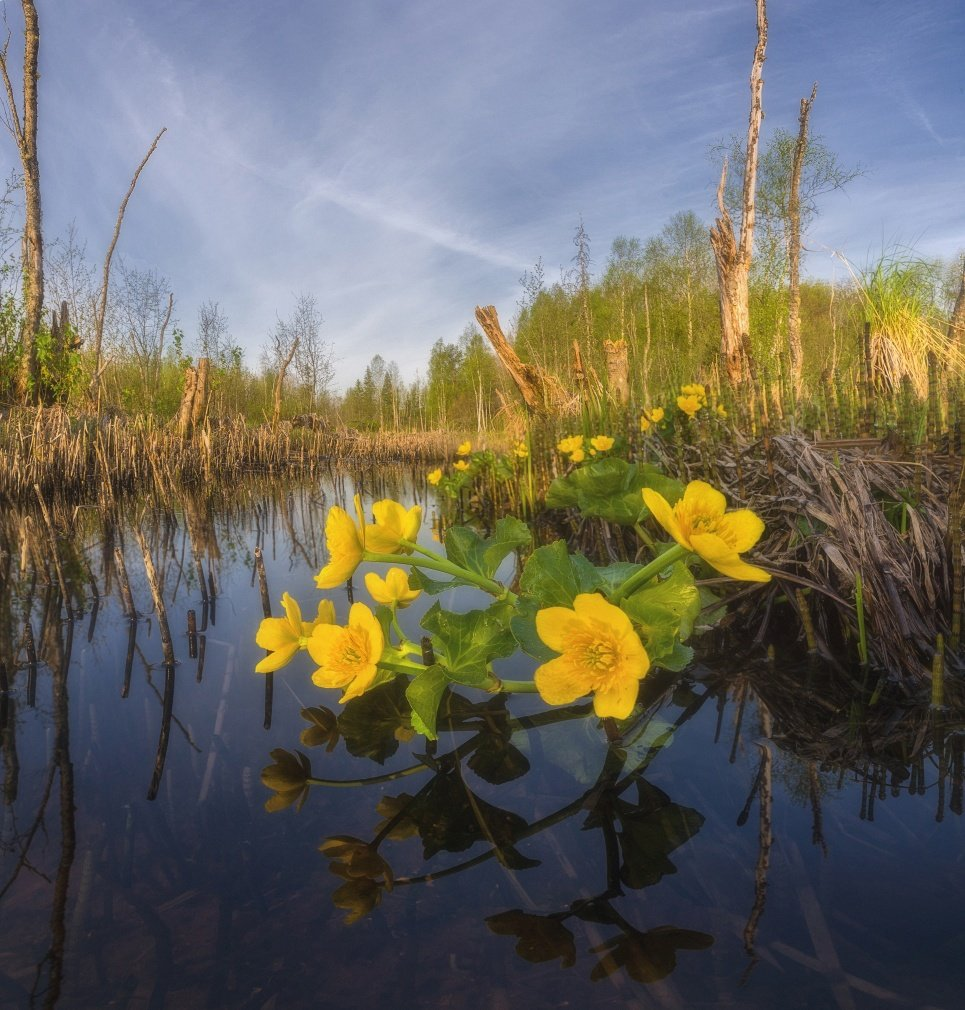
(102, 301)
(24, 132)
(186, 410)
(280, 379)
(733, 255)
(541, 393)
(617, 370)
(795, 351)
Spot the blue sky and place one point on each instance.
(405, 161)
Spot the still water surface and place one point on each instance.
(755, 840)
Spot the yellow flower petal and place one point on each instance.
(559, 682)
(602, 443)
(617, 701)
(344, 542)
(577, 456)
(662, 511)
(726, 560)
(553, 624)
(703, 499)
(275, 633)
(278, 658)
(742, 528)
(434, 476)
(464, 449)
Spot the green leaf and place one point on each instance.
(424, 694)
(666, 610)
(549, 576)
(464, 546)
(419, 580)
(523, 626)
(609, 489)
(467, 643)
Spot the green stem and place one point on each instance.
(646, 573)
(403, 666)
(497, 686)
(435, 563)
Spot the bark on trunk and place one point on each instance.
(617, 370)
(279, 381)
(25, 134)
(795, 351)
(541, 392)
(733, 255)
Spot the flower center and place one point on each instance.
(352, 652)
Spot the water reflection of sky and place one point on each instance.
(645, 893)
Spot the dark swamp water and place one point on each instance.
(757, 839)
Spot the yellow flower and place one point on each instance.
(600, 653)
(284, 636)
(344, 541)
(699, 522)
(577, 456)
(460, 465)
(394, 589)
(695, 389)
(434, 476)
(602, 443)
(656, 415)
(348, 657)
(521, 451)
(464, 449)
(570, 444)
(393, 522)
(721, 410)
(651, 417)
(689, 404)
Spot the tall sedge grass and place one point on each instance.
(898, 295)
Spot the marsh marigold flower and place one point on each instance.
(570, 444)
(348, 657)
(464, 449)
(393, 523)
(700, 523)
(689, 404)
(695, 389)
(577, 456)
(394, 589)
(460, 465)
(344, 542)
(602, 443)
(284, 636)
(651, 417)
(721, 410)
(520, 450)
(600, 654)
(434, 476)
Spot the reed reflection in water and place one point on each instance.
(760, 836)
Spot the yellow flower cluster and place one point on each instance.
(575, 447)
(521, 450)
(693, 397)
(347, 539)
